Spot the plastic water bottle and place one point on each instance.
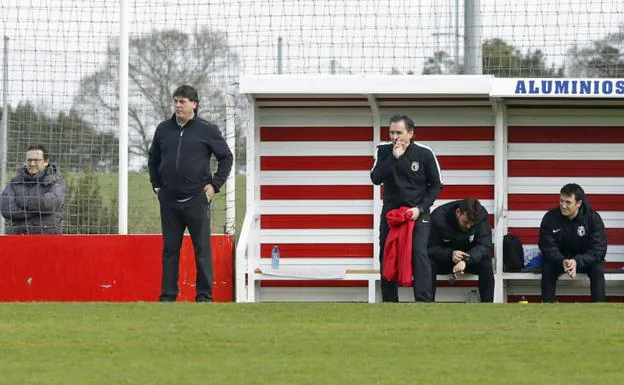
(275, 258)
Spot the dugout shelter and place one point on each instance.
(511, 143)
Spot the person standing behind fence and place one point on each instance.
(573, 239)
(34, 200)
(179, 168)
(410, 174)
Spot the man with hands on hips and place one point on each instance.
(410, 175)
(179, 167)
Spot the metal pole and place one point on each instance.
(279, 55)
(500, 194)
(122, 212)
(472, 37)
(230, 183)
(457, 63)
(5, 120)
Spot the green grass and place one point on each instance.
(187, 343)
(143, 208)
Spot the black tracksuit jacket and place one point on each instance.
(446, 236)
(583, 238)
(412, 180)
(179, 158)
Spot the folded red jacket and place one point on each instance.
(397, 255)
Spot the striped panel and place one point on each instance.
(600, 202)
(544, 155)
(338, 283)
(530, 235)
(299, 221)
(360, 177)
(350, 163)
(566, 168)
(315, 192)
(566, 134)
(485, 133)
(325, 134)
(336, 206)
(314, 180)
(319, 250)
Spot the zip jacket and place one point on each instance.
(179, 158)
(583, 238)
(446, 236)
(413, 180)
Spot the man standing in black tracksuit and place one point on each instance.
(461, 240)
(179, 167)
(411, 177)
(573, 239)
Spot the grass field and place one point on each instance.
(143, 209)
(188, 343)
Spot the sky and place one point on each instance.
(54, 43)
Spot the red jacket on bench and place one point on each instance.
(397, 256)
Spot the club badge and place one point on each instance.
(415, 166)
(580, 231)
(471, 239)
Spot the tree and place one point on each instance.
(158, 63)
(499, 59)
(85, 210)
(441, 63)
(504, 60)
(72, 143)
(604, 58)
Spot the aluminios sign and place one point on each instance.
(611, 88)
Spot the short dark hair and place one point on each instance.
(472, 208)
(409, 123)
(40, 147)
(573, 189)
(186, 91)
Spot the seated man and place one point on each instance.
(572, 239)
(461, 240)
(33, 201)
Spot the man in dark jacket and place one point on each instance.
(33, 202)
(179, 167)
(573, 239)
(410, 174)
(461, 241)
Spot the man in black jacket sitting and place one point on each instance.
(573, 239)
(461, 241)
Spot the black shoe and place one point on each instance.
(203, 299)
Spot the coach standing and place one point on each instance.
(411, 177)
(179, 167)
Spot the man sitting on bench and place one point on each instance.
(572, 239)
(461, 240)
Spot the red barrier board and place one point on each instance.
(113, 268)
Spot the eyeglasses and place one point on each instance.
(33, 160)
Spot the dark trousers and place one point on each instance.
(421, 266)
(175, 217)
(552, 270)
(483, 269)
